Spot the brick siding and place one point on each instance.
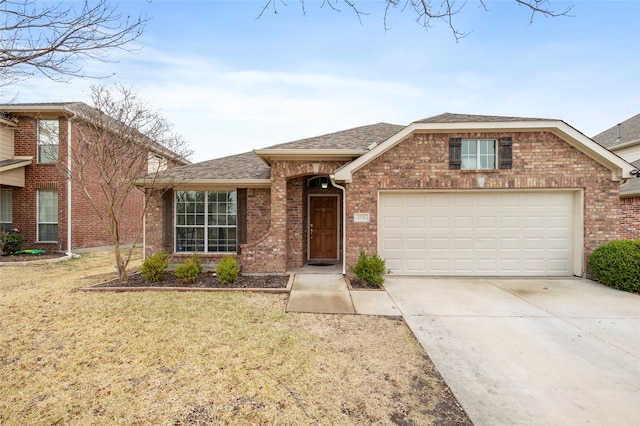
(277, 230)
(540, 160)
(630, 218)
(86, 229)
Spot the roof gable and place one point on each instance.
(455, 123)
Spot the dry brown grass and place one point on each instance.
(76, 358)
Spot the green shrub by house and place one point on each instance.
(11, 242)
(371, 269)
(188, 271)
(228, 270)
(154, 266)
(617, 264)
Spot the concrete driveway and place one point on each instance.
(529, 351)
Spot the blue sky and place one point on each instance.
(231, 83)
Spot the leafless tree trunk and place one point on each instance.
(111, 145)
(51, 37)
(425, 12)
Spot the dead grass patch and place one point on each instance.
(70, 357)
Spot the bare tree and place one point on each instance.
(112, 143)
(426, 12)
(51, 38)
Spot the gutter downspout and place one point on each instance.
(344, 225)
(69, 188)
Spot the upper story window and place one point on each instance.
(48, 137)
(480, 154)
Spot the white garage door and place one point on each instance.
(472, 233)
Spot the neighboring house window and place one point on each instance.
(48, 136)
(206, 221)
(6, 210)
(47, 215)
(156, 163)
(480, 154)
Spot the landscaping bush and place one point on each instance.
(11, 242)
(228, 270)
(154, 266)
(617, 264)
(189, 270)
(371, 269)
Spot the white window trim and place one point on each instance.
(477, 141)
(9, 209)
(57, 145)
(38, 222)
(205, 226)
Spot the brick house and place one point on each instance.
(448, 195)
(36, 197)
(624, 140)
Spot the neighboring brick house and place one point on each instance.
(35, 196)
(624, 140)
(449, 195)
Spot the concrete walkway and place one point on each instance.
(324, 293)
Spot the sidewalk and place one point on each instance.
(328, 294)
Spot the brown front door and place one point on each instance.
(323, 228)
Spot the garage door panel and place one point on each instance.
(468, 233)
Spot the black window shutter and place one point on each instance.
(506, 152)
(455, 153)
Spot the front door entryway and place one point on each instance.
(323, 227)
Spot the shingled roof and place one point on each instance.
(448, 117)
(355, 138)
(620, 134)
(241, 166)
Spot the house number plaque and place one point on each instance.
(361, 217)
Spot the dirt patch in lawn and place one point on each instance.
(206, 358)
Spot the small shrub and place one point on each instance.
(617, 264)
(188, 271)
(371, 269)
(11, 242)
(154, 266)
(228, 270)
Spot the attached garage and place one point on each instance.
(481, 233)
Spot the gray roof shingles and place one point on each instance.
(249, 166)
(356, 138)
(448, 117)
(629, 132)
(241, 166)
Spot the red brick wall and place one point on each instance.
(38, 176)
(540, 160)
(258, 212)
(86, 229)
(271, 252)
(630, 218)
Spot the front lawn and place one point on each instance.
(173, 358)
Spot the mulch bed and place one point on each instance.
(30, 257)
(204, 280)
(355, 283)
